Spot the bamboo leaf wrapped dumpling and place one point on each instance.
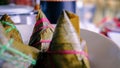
(13, 33)
(65, 49)
(10, 54)
(42, 33)
(10, 28)
(16, 53)
(75, 22)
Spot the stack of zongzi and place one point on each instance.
(65, 49)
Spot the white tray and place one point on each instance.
(103, 52)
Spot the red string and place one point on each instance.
(65, 52)
(45, 41)
(69, 52)
(43, 27)
(43, 20)
(42, 41)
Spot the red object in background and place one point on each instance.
(104, 29)
(23, 2)
(117, 21)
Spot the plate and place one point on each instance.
(103, 52)
(115, 36)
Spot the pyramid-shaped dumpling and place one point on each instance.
(42, 32)
(16, 52)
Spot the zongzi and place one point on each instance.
(42, 33)
(16, 53)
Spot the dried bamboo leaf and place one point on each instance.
(75, 21)
(33, 52)
(64, 39)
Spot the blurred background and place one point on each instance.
(101, 16)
